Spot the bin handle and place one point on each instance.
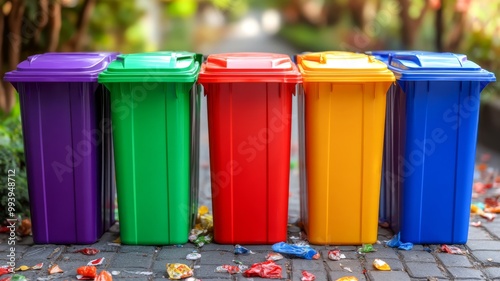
(322, 57)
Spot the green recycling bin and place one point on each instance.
(155, 119)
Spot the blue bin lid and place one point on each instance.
(429, 66)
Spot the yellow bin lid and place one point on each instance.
(342, 67)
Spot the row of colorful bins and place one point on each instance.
(154, 108)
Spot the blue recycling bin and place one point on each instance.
(430, 145)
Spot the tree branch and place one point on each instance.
(76, 42)
(54, 26)
(42, 19)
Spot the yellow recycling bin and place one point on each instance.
(342, 115)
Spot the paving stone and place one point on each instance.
(132, 260)
(83, 259)
(242, 278)
(417, 256)
(259, 248)
(217, 257)
(137, 249)
(354, 265)
(342, 248)
(454, 260)
(395, 264)
(389, 276)
(251, 258)
(424, 270)
(487, 257)
(300, 264)
(135, 273)
(465, 273)
(43, 252)
(320, 275)
(478, 233)
(492, 272)
(172, 253)
(208, 271)
(383, 253)
(488, 245)
(334, 275)
(217, 247)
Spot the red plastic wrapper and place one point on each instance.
(88, 251)
(6, 278)
(451, 250)
(334, 255)
(5, 270)
(98, 261)
(267, 269)
(307, 276)
(87, 271)
(55, 269)
(104, 276)
(231, 269)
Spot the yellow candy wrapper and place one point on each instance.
(381, 265)
(347, 278)
(178, 271)
(22, 268)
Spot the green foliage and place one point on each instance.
(12, 158)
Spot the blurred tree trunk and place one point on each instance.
(14, 37)
(410, 27)
(42, 20)
(2, 83)
(457, 33)
(54, 26)
(439, 28)
(76, 42)
(357, 8)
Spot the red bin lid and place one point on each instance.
(249, 67)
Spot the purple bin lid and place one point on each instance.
(61, 67)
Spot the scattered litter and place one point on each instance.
(196, 266)
(178, 271)
(345, 268)
(395, 242)
(335, 255)
(193, 256)
(88, 251)
(115, 272)
(451, 250)
(294, 237)
(104, 276)
(43, 278)
(118, 241)
(55, 269)
(301, 251)
(87, 271)
(139, 272)
(5, 270)
(37, 266)
(307, 276)
(347, 278)
(22, 268)
(427, 249)
(381, 265)
(18, 277)
(489, 259)
(272, 256)
(476, 223)
(6, 278)
(366, 248)
(201, 234)
(98, 261)
(237, 262)
(231, 269)
(267, 269)
(114, 244)
(192, 279)
(238, 250)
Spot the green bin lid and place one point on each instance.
(153, 67)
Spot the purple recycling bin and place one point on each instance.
(68, 145)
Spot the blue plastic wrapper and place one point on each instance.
(395, 242)
(301, 251)
(238, 250)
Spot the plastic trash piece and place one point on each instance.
(193, 256)
(238, 250)
(18, 277)
(115, 272)
(345, 268)
(22, 268)
(104, 276)
(6, 278)
(231, 269)
(381, 265)
(335, 255)
(271, 256)
(305, 252)
(139, 272)
(37, 266)
(98, 261)
(395, 242)
(267, 269)
(55, 269)
(237, 262)
(476, 223)
(307, 276)
(451, 250)
(4, 270)
(347, 278)
(366, 248)
(88, 251)
(178, 271)
(87, 271)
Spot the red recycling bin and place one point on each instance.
(249, 98)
